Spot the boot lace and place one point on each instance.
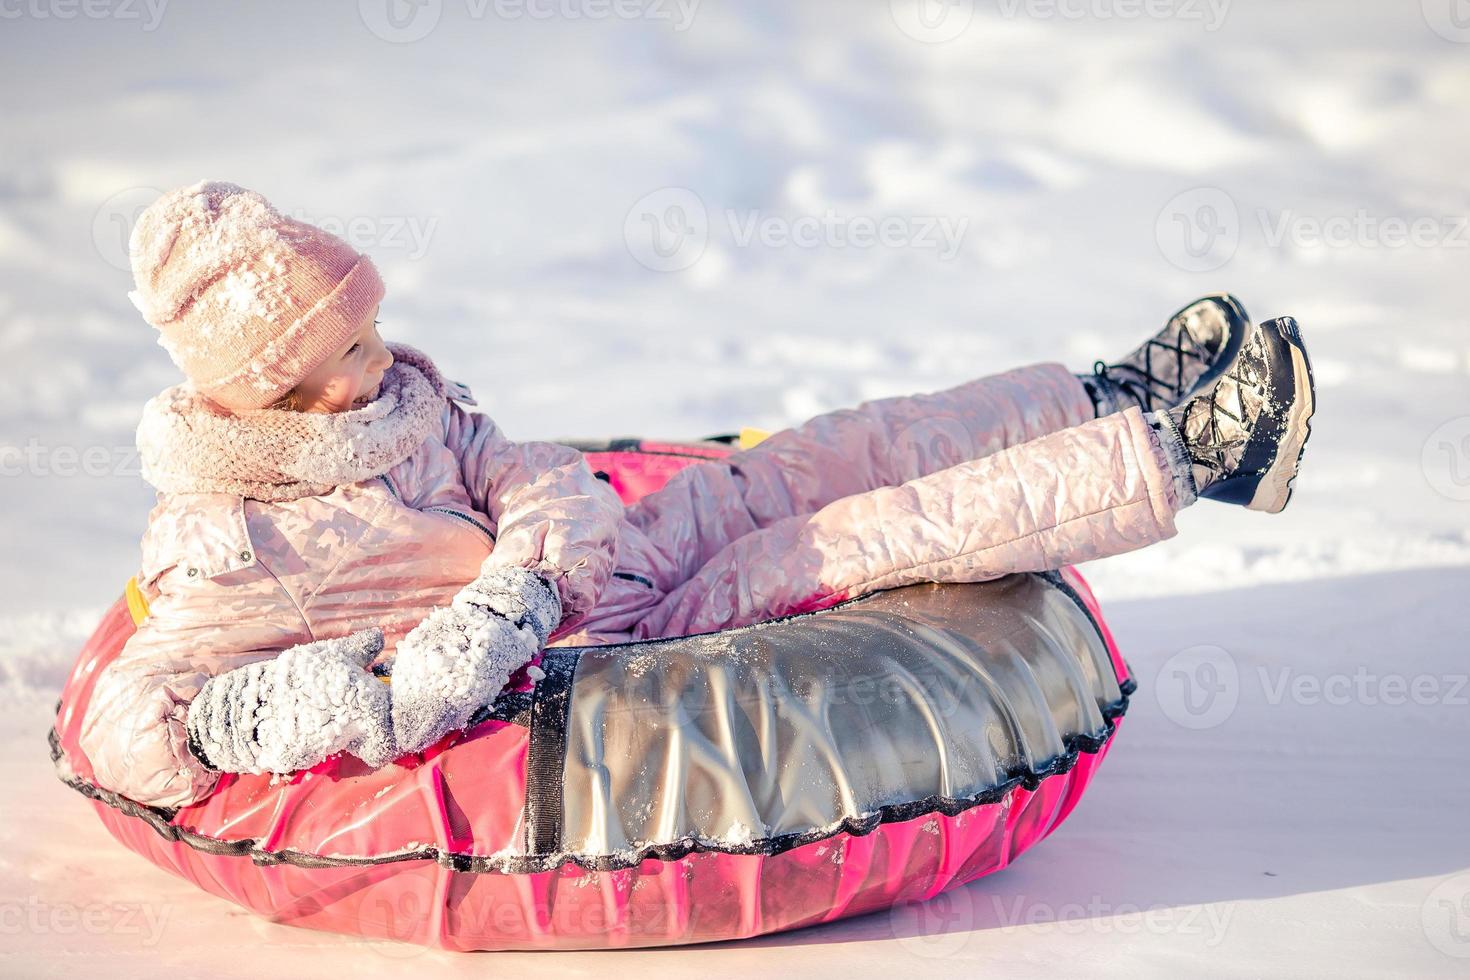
(1158, 381)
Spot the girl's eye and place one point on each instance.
(354, 348)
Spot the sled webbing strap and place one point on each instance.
(137, 602)
(546, 751)
(751, 437)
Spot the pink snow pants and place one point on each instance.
(1009, 473)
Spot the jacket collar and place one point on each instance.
(205, 534)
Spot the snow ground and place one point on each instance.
(502, 172)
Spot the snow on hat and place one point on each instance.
(247, 301)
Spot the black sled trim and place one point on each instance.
(1020, 778)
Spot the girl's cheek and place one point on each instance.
(338, 393)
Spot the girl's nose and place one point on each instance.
(383, 358)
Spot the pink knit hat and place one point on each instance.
(247, 301)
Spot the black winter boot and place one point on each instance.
(1245, 434)
(1192, 350)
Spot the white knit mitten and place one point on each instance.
(459, 658)
(291, 712)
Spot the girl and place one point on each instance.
(324, 497)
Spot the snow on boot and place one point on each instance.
(1192, 350)
(1245, 435)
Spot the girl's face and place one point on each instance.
(350, 376)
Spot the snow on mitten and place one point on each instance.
(291, 712)
(459, 658)
(516, 593)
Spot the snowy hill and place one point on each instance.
(1056, 178)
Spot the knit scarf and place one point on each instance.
(189, 444)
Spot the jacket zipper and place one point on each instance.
(467, 518)
(442, 510)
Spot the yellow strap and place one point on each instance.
(137, 605)
(750, 437)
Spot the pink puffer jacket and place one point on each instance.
(1002, 474)
(232, 580)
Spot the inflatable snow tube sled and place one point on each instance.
(672, 791)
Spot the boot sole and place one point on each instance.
(1274, 490)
